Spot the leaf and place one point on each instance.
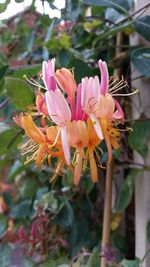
(29, 188)
(93, 260)
(81, 69)
(16, 168)
(121, 5)
(148, 231)
(6, 136)
(29, 71)
(5, 255)
(130, 263)
(27, 262)
(4, 6)
(3, 224)
(141, 60)
(49, 263)
(126, 27)
(20, 93)
(21, 210)
(3, 70)
(113, 15)
(119, 242)
(65, 217)
(139, 137)
(126, 191)
(142, 26)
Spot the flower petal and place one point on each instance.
(93, 167)
(48, 74)
(104, 77)
(78, 167)
(58, 108)
(65, 144)
(118, 114)
(97, 126)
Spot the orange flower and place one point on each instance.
(93, 143)
(78, 139)
(66, 81)
(39, 146)
(68, 84)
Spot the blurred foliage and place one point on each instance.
(85, 32)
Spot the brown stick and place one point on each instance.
(107, 212)
(108, 185)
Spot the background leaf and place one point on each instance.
(81, 69)
(142, 26)
(119, 5)
(126, 191)
(20, 93)
(141, 60)
(139, 137)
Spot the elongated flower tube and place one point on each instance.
(68, 84)
(78, 138)
(48, 69)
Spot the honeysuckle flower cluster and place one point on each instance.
(74, 119)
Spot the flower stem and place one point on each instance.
(107, 211)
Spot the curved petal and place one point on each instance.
(104, 77)
(118, 114)
(97, 126)
(65, 144)
(58, 108)
(48, 74)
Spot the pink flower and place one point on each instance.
(48, 69)
(90, 94)
(104, 77)
(104, 86)
(60, 113)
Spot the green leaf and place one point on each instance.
(3, 70)
(29, 188)
(81, 69)
(141, 60)
(142, 26)
(20, 93)
(148, 231)
(16, 168)
(3, 224)
(49, 263)
(4, 6)
(29, 71)
(121, 5)
(27, 262)
(126, 191)
(111, 32)
(19, 1)
(65, 217)
(5, 255)
(139, 137)
(94, 260)
(130, 263)
(6, 136)
(119, 242)
(21, 210)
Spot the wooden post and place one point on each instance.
(142, 181)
